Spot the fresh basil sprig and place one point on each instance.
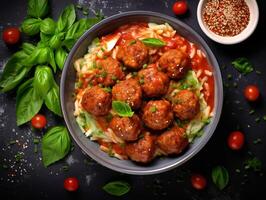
(60, 57)
(220, 177)
(66, 19)
(38, 8)
(242, 65)
(122, 109)
(56, 144)
(153, 42)
(117, 188)
(48, 26)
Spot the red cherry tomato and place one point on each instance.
(71, 184)
(236, 140)
(251, 92)
(38, 121)
(198, 181)
(11, 35)
(180, 7)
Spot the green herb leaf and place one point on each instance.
(122, 109)
(38, 8)
(28, 48)
(51, 59)
(43, 80)
(66, 19)
(220, 177)
(56, 144)
(52, 100)
(31, 26)
(48, 26)
(28, 102)
(14, 71)
(117, 188)
(39, 56)
(242, 65)
(56, 40)
(60, 57)
(153, 42)
(253, 163)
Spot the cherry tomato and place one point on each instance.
(251, 92)
(180, 7)
(11, 35)
(236, 140)
(198, 181)
(38, 121)
(71, 184)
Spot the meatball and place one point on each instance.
(185, 104)
(175, 63)
(110, 71)
(128, 91)
(127, 128)
(143, 150)
(157, 114)
(133, 54)
(96, 101)
(173, 141)
(153, 82)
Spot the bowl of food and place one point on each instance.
(141, 92)
(228, 22)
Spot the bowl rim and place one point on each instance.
(232, 40)
(219, 93)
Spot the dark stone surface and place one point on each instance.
(30, 179)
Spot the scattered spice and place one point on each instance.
(251, 112)
(257, 141)
(226, 17)
(18, 156)
(258, 72)
(253, 163)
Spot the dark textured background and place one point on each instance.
(29, 179)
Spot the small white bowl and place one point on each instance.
(253, 21)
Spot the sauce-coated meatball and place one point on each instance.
(143, 150)
(133, 54)
(185, 104)
(153, 82)
(96, 101)
(110, 71)
(173, 141)
(157, 114)
(175, 63)
(127, 128)
(128, 91)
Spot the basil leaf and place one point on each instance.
(48, 26)
(60, 57)
(69, 43)
(31, 26)
(14, 72)
(56, 40)
(242, 65)
(153, 42)
(28, 48)
(52, 100)
(43, 80)
(38, 8)
(122, 109)
(39, 56)
(44, 40)
(66, 19)
(51, 59)
(28, 102)
(56, 144)
(220, 177)
(117, 188)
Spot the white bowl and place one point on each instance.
(254, 18)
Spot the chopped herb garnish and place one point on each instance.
(237, 170)
(254, 164)
(257, 141)
(264, 117)
(242, 65)
(114, 78)
(117, 81)
(85, 11)
(229, 76)
(109, 117)
(251, 112)
(18, 156)
(258, 72)
(102, 49)
(11, 142)
(134, 74)
(101, 85)
(144, 66)
(35, 148)
(107, 89)
(257, 119)
(141, 81)
(78, 6)
(36, 140)
(65, 168)
(153, 109)
(226, 85)
(103, 74)
(4, 166)
(235, 85)
(124, 68)
(132, 42)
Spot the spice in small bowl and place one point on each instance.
(228, 21)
